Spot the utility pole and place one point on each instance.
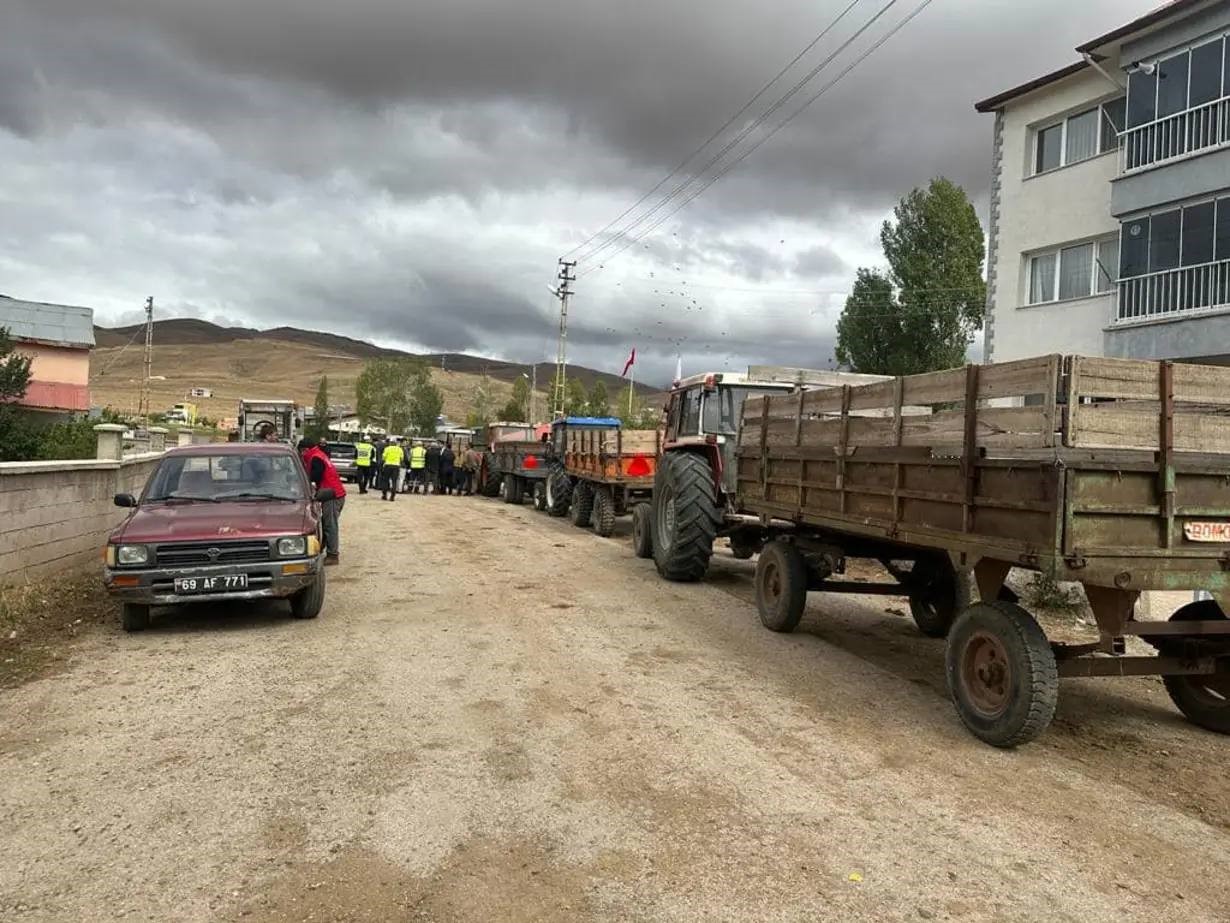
(563, 293)
(143, 402)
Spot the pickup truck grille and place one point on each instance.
(196, 553)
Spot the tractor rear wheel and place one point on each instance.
(686, 516)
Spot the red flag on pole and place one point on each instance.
(627, 365)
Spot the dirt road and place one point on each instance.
(499, 717)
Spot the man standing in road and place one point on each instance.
(390, 470)
(446, 468)
(433, 468)
(471, 461)
(322, 474)
(418, 466)
(364, 455)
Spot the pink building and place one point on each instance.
(58, 338)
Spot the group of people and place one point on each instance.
(395, 466)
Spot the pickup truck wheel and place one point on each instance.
(559, 493)
(642, 530)
(781, 586)
(937, 595)
(307, 603)
(581, 509)
(134, 617)
(1001, 673)
(604, 512)
(1204, 700)
(686, 516)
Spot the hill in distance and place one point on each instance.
(286, 362)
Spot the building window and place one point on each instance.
(1077, 271)
(1172, 105)
(1079, 137)
(1175, 260)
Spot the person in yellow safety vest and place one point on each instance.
(364, 455)
(418, 467)
(390, 470)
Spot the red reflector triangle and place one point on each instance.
(638, 467)
(531, 461)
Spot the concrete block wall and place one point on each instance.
(56, 515)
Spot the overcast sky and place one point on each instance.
(408, 171)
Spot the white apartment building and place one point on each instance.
(1110, 204)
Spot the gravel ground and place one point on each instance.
(499, 717)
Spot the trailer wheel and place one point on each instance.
(686, 516)
(581, 508)
(642, 530)
(134, 617)
(512, 490)
(745, 544)
(604, 511)
(491, 486)
(1001, 673)
(540, 496)
(559, 493)
(1204, 700)
(781, 586)
(937, 595)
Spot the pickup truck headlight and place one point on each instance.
(293, 547)
(127, 555)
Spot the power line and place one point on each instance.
(797, 112)
(713, 137)
(751, 127)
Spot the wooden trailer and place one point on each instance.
(602, 470)
(1112, 473)
(515, 464)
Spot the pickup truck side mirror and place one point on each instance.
(125, 500)
(325, 493)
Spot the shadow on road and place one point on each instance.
(221, 616)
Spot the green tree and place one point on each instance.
(426, 401)
(512, 412)
(921, 315)
(18, 436)
(319, 428)
(521, 398)
(482, 404)
(642, 415)
(576, 401)
(383, 392)
(597, 403)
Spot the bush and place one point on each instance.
(1046, 592)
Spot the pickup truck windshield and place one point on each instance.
(217, 478)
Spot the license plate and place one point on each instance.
(222, 583)
(1207, 531)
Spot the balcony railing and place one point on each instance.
(1174, 292)
(1174, 136)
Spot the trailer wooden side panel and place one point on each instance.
(612, 455)
(1115, 472)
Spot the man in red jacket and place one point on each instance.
(321, 473)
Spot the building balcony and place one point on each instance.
(1173, 137)
(1172, 294)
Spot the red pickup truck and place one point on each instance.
(219, 522)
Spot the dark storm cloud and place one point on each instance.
(408, 171)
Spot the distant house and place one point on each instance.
(58, 338)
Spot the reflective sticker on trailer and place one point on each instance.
(1207, 531)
